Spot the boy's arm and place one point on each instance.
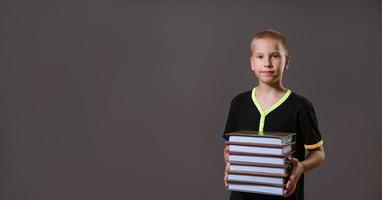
(314, 159)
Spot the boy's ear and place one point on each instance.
(287, 61)
(250, 61)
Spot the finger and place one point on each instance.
(290, 191)
(227, 164)
(290, 187)
(287, 185)
(286, 191)
(226, 169)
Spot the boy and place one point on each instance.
(272, 107)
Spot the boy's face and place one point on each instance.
(269, 60)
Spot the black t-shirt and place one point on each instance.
(293, 113)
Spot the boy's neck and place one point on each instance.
(271, 88)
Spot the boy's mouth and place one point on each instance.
(267, 72)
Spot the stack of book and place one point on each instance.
(258, 162)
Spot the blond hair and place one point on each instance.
(270, 33)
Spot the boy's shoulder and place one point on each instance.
(242, 96)
(301, 100)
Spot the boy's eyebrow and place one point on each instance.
(275, 52)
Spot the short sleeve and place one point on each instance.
(309, 127)
(231, 124)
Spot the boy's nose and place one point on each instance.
(267, 63)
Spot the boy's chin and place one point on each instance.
(268, 81)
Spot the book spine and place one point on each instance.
(260, 154)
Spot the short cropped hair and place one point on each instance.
(270, 33)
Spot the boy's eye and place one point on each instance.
(259, 56)
(276, 56)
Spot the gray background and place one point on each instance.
(128, 99)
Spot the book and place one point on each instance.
(257, 160)
(262, 138)
(265, 180)
(261, 170)
(283, 150)
(262, 189)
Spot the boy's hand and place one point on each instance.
(296, 172)
(226, 166)
(226, 174)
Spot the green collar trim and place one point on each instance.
(274, 106)
(264, 113)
